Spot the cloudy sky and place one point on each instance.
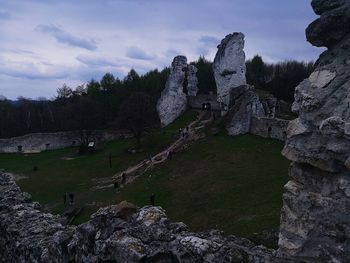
(46, 43)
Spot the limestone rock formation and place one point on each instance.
(192, 80)
(315, 220)
(229, 67)
(173, 100)
(246, 105)
(118, 233)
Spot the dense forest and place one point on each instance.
(96, 105)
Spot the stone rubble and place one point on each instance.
(118, 233)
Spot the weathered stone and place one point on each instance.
(229, 67)
(192, 80)
(269, 128)
(320, 79)
(239, 116)
(173, 100)
(315, 220)
(114, 234)
(36, 142)
(333, 24)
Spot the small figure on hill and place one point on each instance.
(180, 131)
(152, 199)
(170, 155)
(123, 178)
(110, 160)
(65, 198)
(71, 198)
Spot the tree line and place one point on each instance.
(102, 104)
(279, 79)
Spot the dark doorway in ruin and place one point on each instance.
(19, 148)
(47, 146)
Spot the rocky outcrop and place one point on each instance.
(173, 100)
(269, 128)
(118, 233)
(229, 67)
(246, 105)
(192, 81)
(315, 223)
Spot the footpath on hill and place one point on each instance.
(187, 135)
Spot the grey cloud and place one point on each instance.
(32, 75)
(209, 40)
(67, 38)
(5, 15)
(91, 61)
(137, 53)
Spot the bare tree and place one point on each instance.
(137, 114)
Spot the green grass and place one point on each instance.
(56, 176)
(230, 183)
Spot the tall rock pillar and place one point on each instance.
(173, 100)
(229, 67)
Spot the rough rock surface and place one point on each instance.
(192, 81)
(315, 223)
(269, 128)
(229, 67)
(173, 100)
(246, 105)
(118, 233)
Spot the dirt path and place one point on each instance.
(131, 173)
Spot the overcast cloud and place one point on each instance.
(44, 44)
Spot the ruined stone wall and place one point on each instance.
(119, 233)
(269, 128)
(198, 101)
(36, 142)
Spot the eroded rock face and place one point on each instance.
(192, 80)
(173, 101)
(315, 222)
(118, 233)
(246, 105)
(229, 67)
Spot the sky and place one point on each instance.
(47, 43)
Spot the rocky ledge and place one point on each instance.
(118, 233)
(315, 222)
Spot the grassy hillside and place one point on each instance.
(231, 183)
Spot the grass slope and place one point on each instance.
(234, 184)
(231, 183)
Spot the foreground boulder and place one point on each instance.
(118, 233)
(173, 100)
(315, 221)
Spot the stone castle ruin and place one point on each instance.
(37, 142)
(245, 111)
(315, 218)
